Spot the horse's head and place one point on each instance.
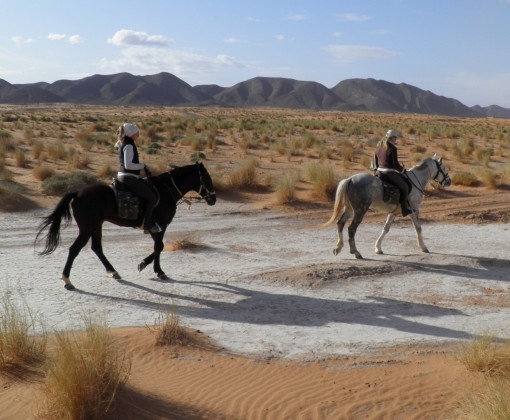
(206, 189)
(441, 177)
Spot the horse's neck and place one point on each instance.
(423, 173)
(181, 182)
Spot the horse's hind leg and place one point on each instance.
(346, 215)
(97, 247)
(386, 229)
(358, 217)
(74, 250)
(417, 227)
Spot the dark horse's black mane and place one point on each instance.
(95, 204)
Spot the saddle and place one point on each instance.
(129, 205)
(391, 193)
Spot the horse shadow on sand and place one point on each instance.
(236, 304)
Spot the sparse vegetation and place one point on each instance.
(84, 374)
(61, 184)
(20, 345)
(485, 355)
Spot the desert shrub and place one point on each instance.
(285, 187)
(484, 354)
(245, 175)
(19, 343)
(467, 179)
(84, 375)
(170, 332)
(42, 172)
(37, 149)
(323, 179)
(106, 171)
(20, 158)
(12, 198)
(85, 139)
(59, 184)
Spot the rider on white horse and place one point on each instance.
(390, 169)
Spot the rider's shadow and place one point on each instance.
(261, 308)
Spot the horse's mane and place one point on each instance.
(421, 165)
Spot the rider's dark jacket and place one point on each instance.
(387, 158)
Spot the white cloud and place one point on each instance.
(353, 17)
(75, 39)
(296, 17)
(231, 40)
(129, 37)
(153, 60)
(56, 37)
(336, 34)
(351, 53)
(282, 38)
(20, 40)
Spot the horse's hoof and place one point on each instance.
(335, 252)
(69, 286)
(379, 252)
(425, 251)
(141, 266)
(163, 276)
(114, 275)
(358, 256)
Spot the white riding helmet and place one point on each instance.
(392, 133)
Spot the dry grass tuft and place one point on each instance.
(285, 187)
(19, 346)
(184, 243)
(245, 175)
(170, 332)
(84, 375)
(493, 359)
(486, 356)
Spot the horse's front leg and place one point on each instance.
(155, 256)
(417, 227)
(386, 229)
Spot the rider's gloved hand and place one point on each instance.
(148, 173)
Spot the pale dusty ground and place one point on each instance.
(266, 285)
(301, 334)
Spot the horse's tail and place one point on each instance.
(62, 212)
(339, 201)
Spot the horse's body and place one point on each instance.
(96, 204)
(360, 192)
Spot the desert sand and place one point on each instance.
(293, 334)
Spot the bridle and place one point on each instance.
(440, 170)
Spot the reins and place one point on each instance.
(422, 188)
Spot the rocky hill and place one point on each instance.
(166, 89)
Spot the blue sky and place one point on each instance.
(455, 48)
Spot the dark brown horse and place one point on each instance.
(95, 204)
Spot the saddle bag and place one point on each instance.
(128, 204)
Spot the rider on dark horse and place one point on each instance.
(390, 169)
(129, 173)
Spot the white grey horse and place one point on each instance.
(360, 192)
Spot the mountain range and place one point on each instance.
(165, 89)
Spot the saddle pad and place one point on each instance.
(391, 194)
(128, 205)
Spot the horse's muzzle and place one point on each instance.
(211, 199)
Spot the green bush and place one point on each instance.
(59, 184)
